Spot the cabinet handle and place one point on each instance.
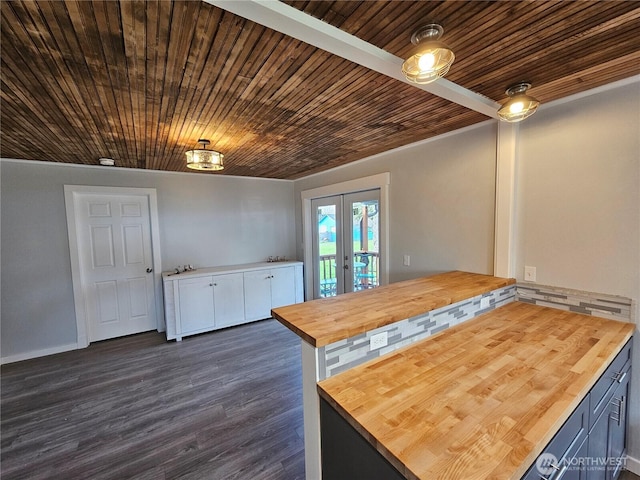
(211, 284)
(558, 474)
(619, 376)
(620, 404)
(561, 472)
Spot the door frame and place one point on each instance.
(71, 196)
(380, 181)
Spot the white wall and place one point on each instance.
(441, 202)
(578, 203)
(205, 220)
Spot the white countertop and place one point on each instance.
(199, 272)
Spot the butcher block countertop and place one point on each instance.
(482, 399)
(327, 320)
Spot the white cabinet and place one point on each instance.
(211, 298)
(267, 289)
(195, 300)
(228, 299)
(257, 295)
(283, 287)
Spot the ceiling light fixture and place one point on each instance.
(107, 162)
(430, 59)
(520, 105)
(203, 159)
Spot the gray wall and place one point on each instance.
(441, 202)
(205, 220)
(578, 203)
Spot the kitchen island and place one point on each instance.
(480, 400)
(341, 332)
(417, 402)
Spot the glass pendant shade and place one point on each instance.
(519, 106)
(430, 59)
(203, 159)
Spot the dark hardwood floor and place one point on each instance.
(220, 406)
(224, 405)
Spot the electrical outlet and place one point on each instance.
(485, 302)
(406, 261)
(378, 340)
(530, 274)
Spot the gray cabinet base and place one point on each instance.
(346, 455)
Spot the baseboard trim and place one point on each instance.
(38, 353)
(633, 465)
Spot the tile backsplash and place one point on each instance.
(597, 304)
(345, 354)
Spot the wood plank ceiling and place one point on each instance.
(141, 81)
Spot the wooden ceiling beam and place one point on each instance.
(294, 23)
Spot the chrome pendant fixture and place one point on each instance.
(520, 105)
(430, 59)
(203, 159)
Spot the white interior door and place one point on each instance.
(116, 264)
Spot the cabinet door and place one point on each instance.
(607, 437)
(257, 295)
(196, 305)
(228, 299)
(617, 444)
(283, 287)
(576, 469)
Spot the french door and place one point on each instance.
(346, 243)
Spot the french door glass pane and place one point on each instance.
(366, 242)
(327, 251)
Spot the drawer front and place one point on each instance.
(605, 387)
(563, 447)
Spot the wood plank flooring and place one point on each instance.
(224, 405)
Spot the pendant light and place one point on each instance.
(430, 59)
(203, 159)
(520, 105)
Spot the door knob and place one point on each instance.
(149, 270)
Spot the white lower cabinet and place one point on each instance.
(228, 299)
(267, 289)
(212, 298)
(195, 300)
(257, 294)
(283, 287)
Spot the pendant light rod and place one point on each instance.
(292, 22)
